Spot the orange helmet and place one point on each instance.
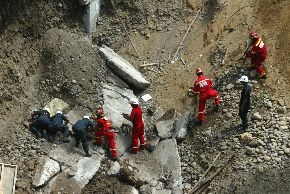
(254, 35)
(100, 111)
(198, 71)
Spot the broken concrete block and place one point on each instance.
(180, 129)
(134, 191)
(91, 15)
(76, 114)
(45, 170)
(152, 141)
(140, 168)
(114, 169)
(124, 69)
(55, 105)
(163, 191)
(165, 124)
(123, 142)
(147, 189)
(166, 153)
(116, 102)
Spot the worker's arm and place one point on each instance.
(126, 116)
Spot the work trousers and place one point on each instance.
(81, 135)
(244, 117)
(202, 101)
(256, 62)
(138, 134)
(110, 138)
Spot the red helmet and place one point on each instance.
(198, 70)
(254, 35)
(100, 111)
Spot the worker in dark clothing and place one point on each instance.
(41, 122)
(244, 104)
(80, 129)
(59, 123)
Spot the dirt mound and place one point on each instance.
(72, 68)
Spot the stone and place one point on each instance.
(283, 127)
(124, 142)
(256, 116)
(56, 104)
(163, 191)
(230, 86)
(72, 171)
(246, 137)
(253, 73)
(133, 191)
(269, 104)
(267, 158)
(286, 150)
(281, 110)
(167, 153)
(282, 123)
(116, 102)
(124, 69)
(165, 124)
(254, 143)
(91, 15)
(45, 170)
(229, 115)
(152, 141)
(180, 129)
(147, 189)
(114, 169)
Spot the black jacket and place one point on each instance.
(82, 125)
(245, 101)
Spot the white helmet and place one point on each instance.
(134, 101)
(86, 117)
(244, 78)
(58, 112)
(47, 109)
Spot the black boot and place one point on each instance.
(198, 123)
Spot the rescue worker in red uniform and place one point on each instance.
(104, 129)
(138, 125)
(203, 87)
(257, 53)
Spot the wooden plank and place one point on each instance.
(8, 179)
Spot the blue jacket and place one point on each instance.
(82, 125)
(59, 118)
(43, 118)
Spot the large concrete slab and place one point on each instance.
(56, 104)
(116, 102)
(165, 124)
(45, 170)
(166, 153)
(180, 130)
(124, 69)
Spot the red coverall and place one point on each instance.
(258, 54)
(138, 128)
(203, 86)
(105, 130)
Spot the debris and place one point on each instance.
(8, 176)
(146, 97)
(114, 169)
(246, 137)
(180, 130)
(56, 104)
(148, 64)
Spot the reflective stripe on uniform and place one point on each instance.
(113, 149)
(135, 147)
(98, 137)
(202, 81)
(201, 112)
(110, 131)
(258, 42)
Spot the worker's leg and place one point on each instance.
(65, 131)
(135, 137)
(244, 118)
(142, 136)
(84, 140)
(99, 134)
(201, 109)
(110, 136)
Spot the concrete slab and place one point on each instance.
(180, 129)
(124, 69)
(45, 170)
(166, 153)
(165, 124)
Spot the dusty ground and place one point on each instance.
(214, 43)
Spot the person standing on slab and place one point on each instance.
(80, 129)
(245, 101)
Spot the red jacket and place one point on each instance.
(136, 116)
(258, 49)
(202, 85)
(104, 124)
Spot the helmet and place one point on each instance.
(134, 101)
(58, 112)
(244, 78)
(254, 35)
(86, 117)
(198, 70)
(100, 111)
(46, 109)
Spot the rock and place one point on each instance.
(152, 141)
(116, 102)
(281, 110)
(165, 124)
(158, 113)
(286, 150)
(180, 130)
(45, 170)
(133, 191)
(114, 169)
(267, 158)
(256, 116)
(269, 104)
(167, 153)
(147, 189)
(246, 137)
(229, 115)
(254, 143)
(230, 86)
(55, 105)
(91, 15)
(72, 171)
(283, 127)
(124, 69)
(163, 191)
(253, 74)
(282, 123)
(123, 142)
